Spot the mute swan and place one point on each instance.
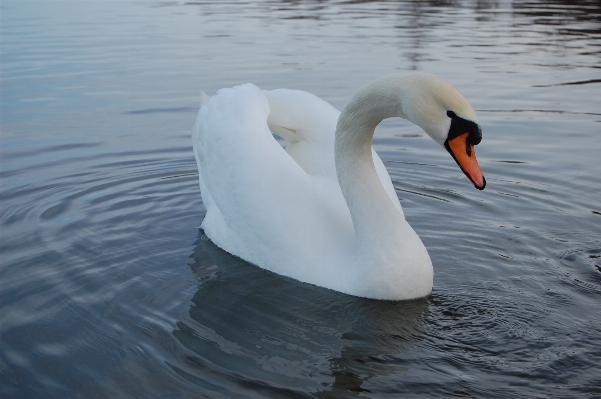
(324, 211)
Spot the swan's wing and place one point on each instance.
(299, 115)
(309, 124)
(261, 205)
(240, 164)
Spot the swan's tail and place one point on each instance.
(203, 98)
(206, 197)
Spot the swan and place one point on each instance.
(323, 210)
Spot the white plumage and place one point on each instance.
(284, 210)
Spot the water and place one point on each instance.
(109, 289)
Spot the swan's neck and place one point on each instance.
(385, 242)
(371, 209)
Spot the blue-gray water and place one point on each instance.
(109, 290)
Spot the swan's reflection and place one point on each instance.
(253, 331)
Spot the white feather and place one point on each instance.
(284, 209)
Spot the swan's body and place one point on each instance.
(285, 211)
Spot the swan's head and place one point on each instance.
(445, 115)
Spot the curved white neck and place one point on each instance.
(371, 209)
(386, 245)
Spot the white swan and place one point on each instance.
(324, 211)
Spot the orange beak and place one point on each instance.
(464, 153)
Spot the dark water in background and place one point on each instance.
(108, 288)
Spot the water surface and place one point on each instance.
(109, 289)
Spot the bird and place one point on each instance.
(323, 209)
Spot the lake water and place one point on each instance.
(108, 289)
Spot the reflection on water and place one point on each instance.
(101, 297)
(579, 18)
(248, 326)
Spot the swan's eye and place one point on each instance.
(451, 114)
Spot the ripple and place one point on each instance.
(160, 110)
(109, 289)
(580, 82)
